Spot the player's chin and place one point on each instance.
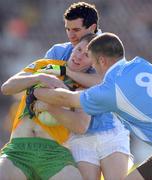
(74, 43)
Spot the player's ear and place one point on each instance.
(102, 60)
(92, 28)
(106, 61)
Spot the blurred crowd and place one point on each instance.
(28, 28)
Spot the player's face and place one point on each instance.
(75, 30)
(79, 60)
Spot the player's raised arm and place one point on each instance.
(23, 80)
(18, 83)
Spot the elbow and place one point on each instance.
(84, 125)
(5, 89)
(83, 129)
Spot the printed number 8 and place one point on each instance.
(145, 80)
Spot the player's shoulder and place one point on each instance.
(59, 51)
(62, 45)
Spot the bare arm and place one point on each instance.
(85, 79)
(58, 97)
(76, 121)
(23, 80)
(18, 83)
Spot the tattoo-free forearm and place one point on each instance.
(75, 121)
(58, 97)
(85, 79)
(18, 83)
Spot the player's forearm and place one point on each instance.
(18, 83)
(58, 97)
(85, 79)
(77, 122)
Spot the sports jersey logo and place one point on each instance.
(144, 79)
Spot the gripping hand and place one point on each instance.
(30, 99)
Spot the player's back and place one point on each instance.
(133, 87)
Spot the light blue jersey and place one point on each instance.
(127, 92)
(59, 51)
(63, 52)
(102, 122)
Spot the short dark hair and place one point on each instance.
(107, 44)
(87, 12)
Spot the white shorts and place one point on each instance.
(94, 147)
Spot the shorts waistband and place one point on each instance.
(33, 143)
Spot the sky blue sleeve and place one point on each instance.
(98, 99)
(59, 51)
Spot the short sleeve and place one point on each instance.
(98, 99)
